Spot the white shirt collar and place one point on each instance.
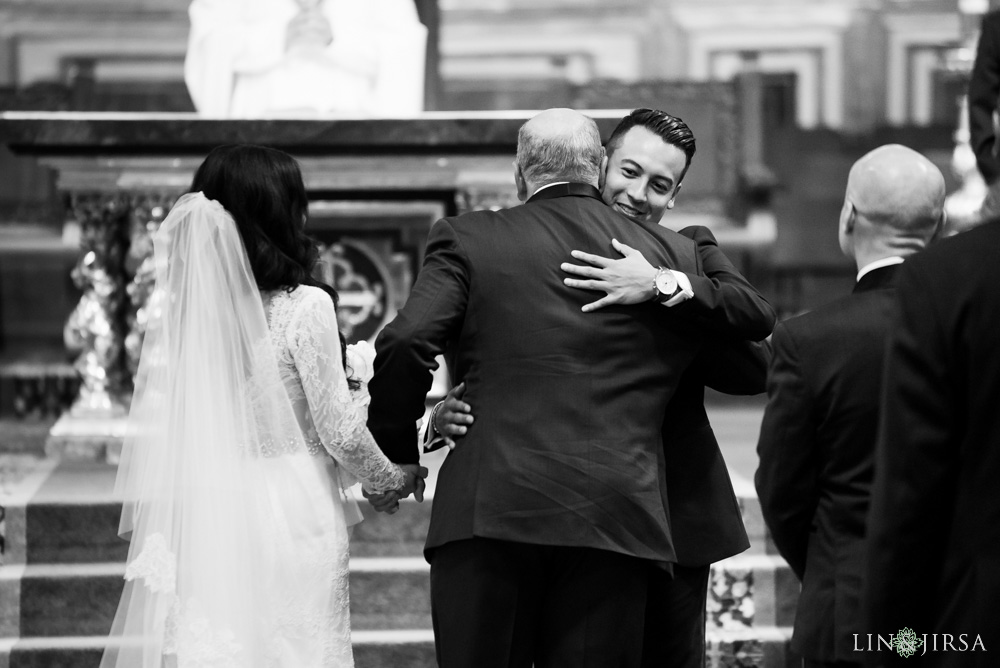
(547, 185)
(878, 264)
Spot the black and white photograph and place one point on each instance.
(499, 333)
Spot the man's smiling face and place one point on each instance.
(643, 176)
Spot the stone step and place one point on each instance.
(386, 593)
(765, 648)
(60, 599)
(372, 649)
(81, 599)
(60, 531)
(401, 534)
(63, 565)
(23, 435)
(66, 513)
(390, 593)
(20, 483)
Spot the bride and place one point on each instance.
(243, 436)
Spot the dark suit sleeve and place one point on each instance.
(733, 367)
(786, 477)
(730, 362)
(724, 301)
(984, 88)
(916, 465)
(407, 347)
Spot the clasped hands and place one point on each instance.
(627, 280)
(388, 502)
(451, 421)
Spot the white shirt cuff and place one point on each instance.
(432, 440)
(685, 293)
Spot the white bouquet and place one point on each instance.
(361, 367)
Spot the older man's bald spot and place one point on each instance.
(895, 184)
(558, 145)
(555, 123)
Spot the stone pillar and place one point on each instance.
(865, 89)
(8, 54)
(967, 206)
(94, 331)
(757, 181)
(115, 204)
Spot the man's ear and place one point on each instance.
(602, 175)
(941, 229)
(670, 202)
(845, 228)
(522, 185)
(848, 218)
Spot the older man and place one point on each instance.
(817, 440)
(649, 152)
(548, 521)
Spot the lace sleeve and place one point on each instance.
(339, 420)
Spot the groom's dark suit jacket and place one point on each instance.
(566, 448)
(817, 452)
(705, 516)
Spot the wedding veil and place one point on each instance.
(195, 473)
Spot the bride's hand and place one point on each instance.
(387, 502)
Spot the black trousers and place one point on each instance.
(499, 604)
(675, 618)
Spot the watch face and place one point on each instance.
(666, 283)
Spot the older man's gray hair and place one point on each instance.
(559, 145)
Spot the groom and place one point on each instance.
(549, 519)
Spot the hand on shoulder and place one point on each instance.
(626, 280)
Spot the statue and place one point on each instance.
(90, 333)
(281, 58)
(93, 331)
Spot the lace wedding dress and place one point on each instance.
(243, 437)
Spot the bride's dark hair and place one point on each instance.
(262, 189)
